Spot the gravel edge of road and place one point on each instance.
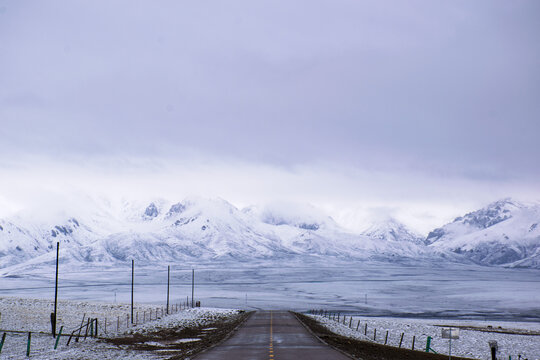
(296, 315)
(227, 337)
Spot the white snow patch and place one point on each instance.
(187, 340)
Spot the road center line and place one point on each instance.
(271, 348)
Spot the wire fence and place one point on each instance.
(88, 327)
(364, 330)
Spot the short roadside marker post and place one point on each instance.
(428, 345)
(494, 347)
(450, 333)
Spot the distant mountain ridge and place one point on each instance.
(503, 233)
(390, 229)
(194, 229)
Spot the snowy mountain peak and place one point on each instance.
(484, 218)
(390, 229)
(151, 211)
(490, 215)
(176, 209)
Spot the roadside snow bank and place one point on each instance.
(189, 318)
(472, 343)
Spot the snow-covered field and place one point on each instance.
(472, 343)
(422, 291)
(34, 314)
(20, 316)
(419, 290)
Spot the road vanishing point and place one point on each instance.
(272, 335)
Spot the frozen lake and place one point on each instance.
(364, 288)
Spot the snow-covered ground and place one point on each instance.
(471, 344)
(413, 290)
(20, 316)
(34, 314)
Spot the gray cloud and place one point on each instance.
(436, 87)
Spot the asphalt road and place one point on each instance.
(272, 335)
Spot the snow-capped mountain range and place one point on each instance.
(505, 232)
(196, 229)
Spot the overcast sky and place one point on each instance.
(423, 109)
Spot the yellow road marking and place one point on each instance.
(271, 347)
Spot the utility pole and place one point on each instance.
(168, 284)
(192, 286)
(132, 280)
(53, 317)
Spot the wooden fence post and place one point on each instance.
(386, 338)
(357, 325)
(365, 329)
(413, 338)
(80, 328)
(69, 339)
(86, 330)
(375, 334)
(401, 340)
